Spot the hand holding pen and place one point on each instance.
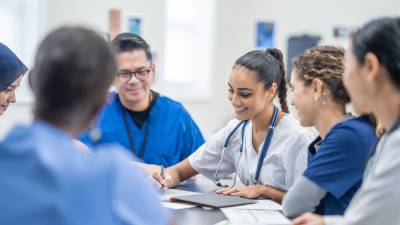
(162, 175)
(163, 178)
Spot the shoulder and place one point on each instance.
(170, 106)
(110, 104)
(355, 124)
(167, 101)
(16, 135)
(391, 139)
(354, 130)
(353, 138)
(232, 127)
(289, 127)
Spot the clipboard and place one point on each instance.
(212, 200)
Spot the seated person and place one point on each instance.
(264, 146)
(45, 179)
(338, 157)
(153, 127)
(11, 72)
(372, 78)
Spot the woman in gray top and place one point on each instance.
(372, 78)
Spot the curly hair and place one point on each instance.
(326, 63)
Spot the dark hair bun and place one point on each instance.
(275, 53)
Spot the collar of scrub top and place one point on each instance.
(11, 67)
(263, 153)
(393, 128)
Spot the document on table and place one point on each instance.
(246, 216)
(167, 194)
(264, 204)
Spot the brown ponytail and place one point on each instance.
(281, 80)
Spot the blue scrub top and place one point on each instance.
(172, 134)
(339, 163)
(45, 179)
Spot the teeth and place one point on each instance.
(240, 109)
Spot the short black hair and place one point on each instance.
(127, 42)
(74, 69)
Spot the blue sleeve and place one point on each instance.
(192, 136)
(104, 113)
(341, 159)
(134, 199)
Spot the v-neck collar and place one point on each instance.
(249, 134)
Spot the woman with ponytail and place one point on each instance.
(264, 146)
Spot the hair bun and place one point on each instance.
(275, 53)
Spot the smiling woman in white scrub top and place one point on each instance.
(264, 146)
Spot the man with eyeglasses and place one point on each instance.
(153, 127)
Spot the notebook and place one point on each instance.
(212, 200)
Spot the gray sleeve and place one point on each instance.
(333, 220)
(303, 196)
(377, 201)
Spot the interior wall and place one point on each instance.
(235, 35)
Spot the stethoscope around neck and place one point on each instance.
(263, 153)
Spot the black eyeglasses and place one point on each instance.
(126, 75)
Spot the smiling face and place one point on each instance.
(303, 100)
(247, 96)
(7, 96)
(134, 91)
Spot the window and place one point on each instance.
(19, 23)
(188, 49)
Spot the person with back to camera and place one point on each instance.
(45, 179)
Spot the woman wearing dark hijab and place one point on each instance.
(11, 72)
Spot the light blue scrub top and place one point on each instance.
(45, 179)
(172, 135)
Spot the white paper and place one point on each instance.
(170, 193)
(261, 205)
(266, 217)
(176, 205)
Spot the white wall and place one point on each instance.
(235, 25)
(235, 36)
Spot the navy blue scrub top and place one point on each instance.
(171, 137)
(339, 163)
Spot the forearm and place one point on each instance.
(181, 172)
(304, 196)
(274, 194)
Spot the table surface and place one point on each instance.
(198, 215)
